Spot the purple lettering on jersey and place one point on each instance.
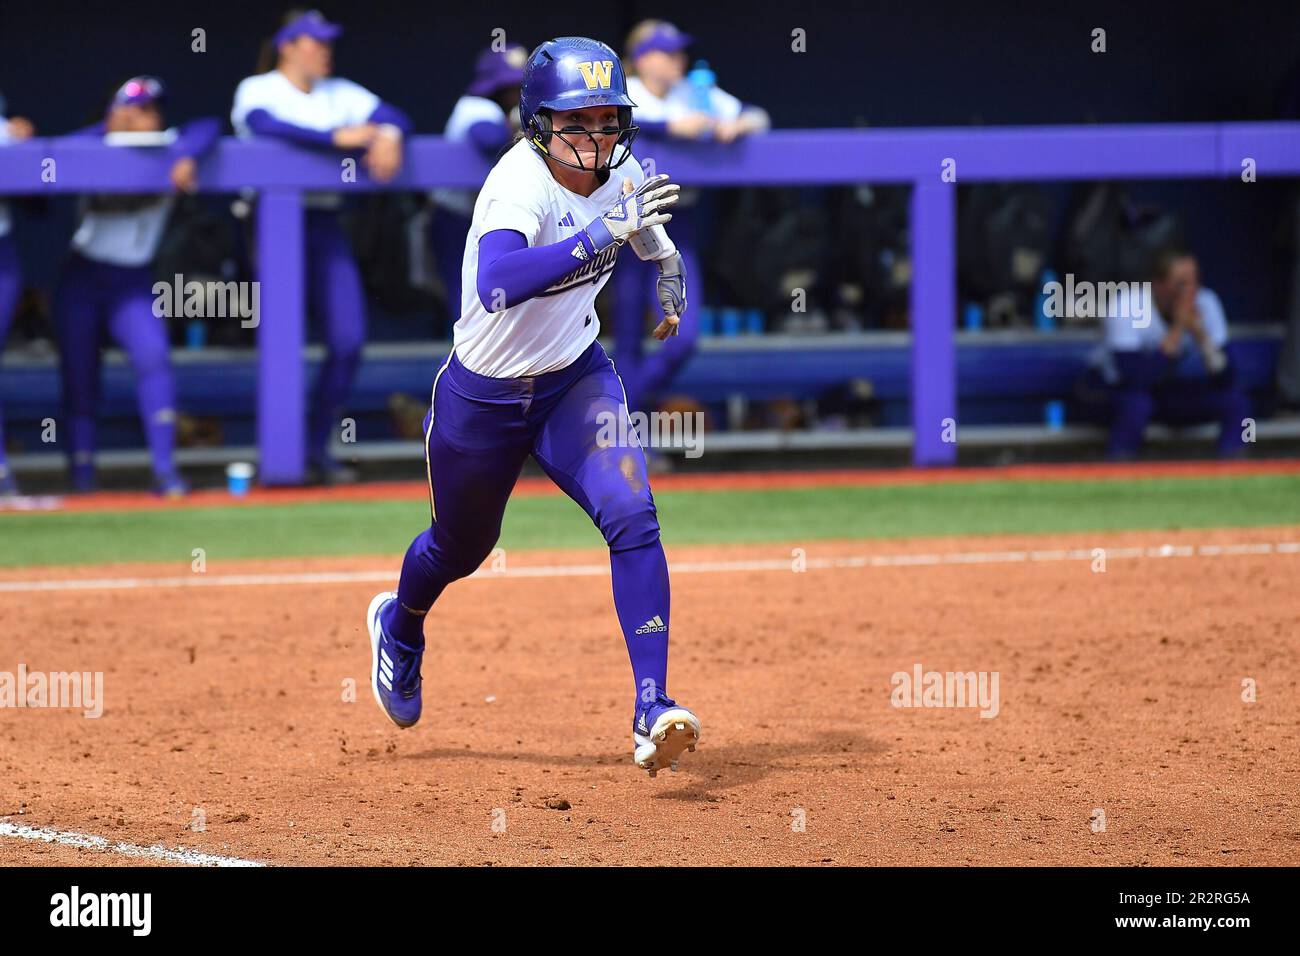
(588, 272)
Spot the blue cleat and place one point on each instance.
(661, 730)
(394, 668)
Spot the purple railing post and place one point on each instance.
(280, 336)
(934, 314)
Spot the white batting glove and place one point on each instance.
(648, 205)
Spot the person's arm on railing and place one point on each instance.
(194, 141)
(263, 123)
(386, 114)
(488, 137)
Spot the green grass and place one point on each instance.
(687, 517)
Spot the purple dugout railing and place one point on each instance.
(794, 157)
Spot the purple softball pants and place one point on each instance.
(96, 300)
(574, 421)
(337, 299)
(1179, 402)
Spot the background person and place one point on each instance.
(668, 106)
(486, 116)
(106, 288)
(299, 101)
(1176, 369)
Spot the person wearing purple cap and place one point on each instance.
(487, 117)
(668, 106)
(296, 99)
(106, 287)
(13, 129)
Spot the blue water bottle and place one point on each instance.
(1044, 321)
(973, 319)
(702, 80)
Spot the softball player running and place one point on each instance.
(300, 102)
(527, 376)
(107, 287)
(12, 129)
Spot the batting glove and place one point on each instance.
(648, 205)
(671, 286)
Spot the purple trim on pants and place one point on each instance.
(480, 432)
(646, 376)
(94, 301)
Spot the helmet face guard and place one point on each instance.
(573, 73)
(543, 131)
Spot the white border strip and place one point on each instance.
(680, 567)
(86, 841)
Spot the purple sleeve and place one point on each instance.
(196, 138)
(488, 137)
(264, 124)
(388, 113)
(507, 263)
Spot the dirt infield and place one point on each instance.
(1120, 692)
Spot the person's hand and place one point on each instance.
(355, 137)
(728, 131)
(690, 125)
(20, 127)
(383, 159)
(670, 285)
(639, 208)
(185, 175)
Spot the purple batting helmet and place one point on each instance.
(569, 73)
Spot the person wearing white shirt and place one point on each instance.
(1170, 361)
(486, 117)
(299, 101)
(668, 106)
(106, 288)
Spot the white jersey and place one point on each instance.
(1124, 333)
(679, 101)
(468, 111)
(122, 230)
(549, 331)
(331, 103)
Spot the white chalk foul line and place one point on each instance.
(86, 841)
(678, 567)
